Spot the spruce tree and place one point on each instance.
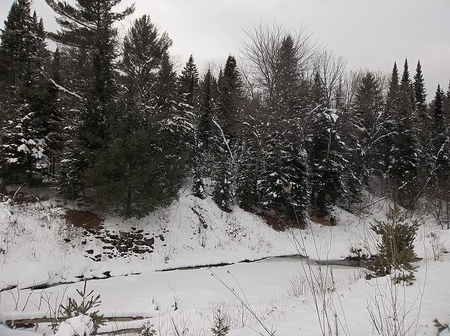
(189, 93)
(228, 145)
(29, 138)
(208, 105)
(404, 151)
(440, 147)
(368, 121)
(189, 83)
(420, 95)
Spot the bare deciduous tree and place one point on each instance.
(261, 51)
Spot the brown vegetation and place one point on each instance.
(83, 219)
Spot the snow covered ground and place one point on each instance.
(291, 296)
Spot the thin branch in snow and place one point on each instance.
(224, 140)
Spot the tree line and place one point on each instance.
(109, 121)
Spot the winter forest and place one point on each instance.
(284, 128)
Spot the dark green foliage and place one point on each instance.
(325, 160)
(144, 49)
(19, 43)
(88, 26)
(369, 120)
(396, 248)
(420, 95)
(189, 83)
(402, 140)
(30, 132)
(207, 110)
(74, 308)
(221, 324)
(140, 170)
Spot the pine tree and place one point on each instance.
(88, 27)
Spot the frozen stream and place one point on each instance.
(188, 298)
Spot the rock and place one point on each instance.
(149, 242)
(122, 248)
(139, 250)
(90, 251)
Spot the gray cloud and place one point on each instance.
(369, 34)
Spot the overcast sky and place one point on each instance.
(370, 34)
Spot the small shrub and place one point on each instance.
(396, 249)
(73, 309)
(221, 324)
(148, 330)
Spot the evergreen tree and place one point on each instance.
(30, 132)
(230, 99)
(189, 91)
(207, 111)
(189, 83)
(142, 166)
(324, 155)
(18, 43)
(439, 149)
(368, 120)
(144, 50)
(405, 151)
(228, 145)
(88, 26)
(420, 95)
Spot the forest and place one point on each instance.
(107, 121)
